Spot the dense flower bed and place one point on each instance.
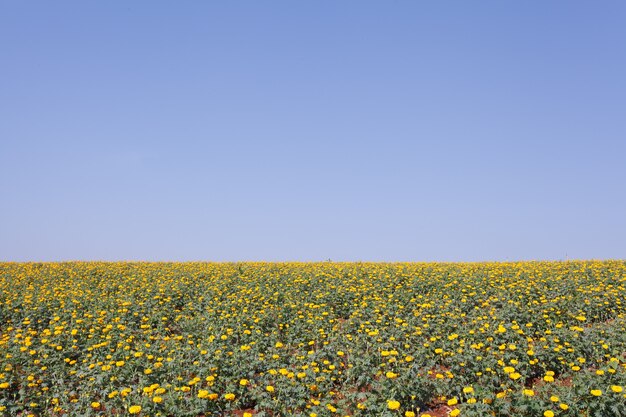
(313, 339)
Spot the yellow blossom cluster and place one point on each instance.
(312, 339)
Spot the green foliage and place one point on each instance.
(305, 339)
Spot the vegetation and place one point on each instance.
(313, 339)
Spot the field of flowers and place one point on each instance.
(313, 339)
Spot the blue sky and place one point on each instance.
(353, 130)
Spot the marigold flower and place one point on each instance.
(393, 405)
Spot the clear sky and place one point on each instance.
(312, 130)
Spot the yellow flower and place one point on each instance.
(409, 414)
(453, 401)
(246, 414)
(528, 392)
(548, 413)
(468, 390)
(4, 385)
(393, 405)
(134, 409)
(243, 382)
(95, 404)
(157, 399)
(596, 392)
(230, 396)
(563, 406)
(269, 388)
(391, 375)
(616, 388)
